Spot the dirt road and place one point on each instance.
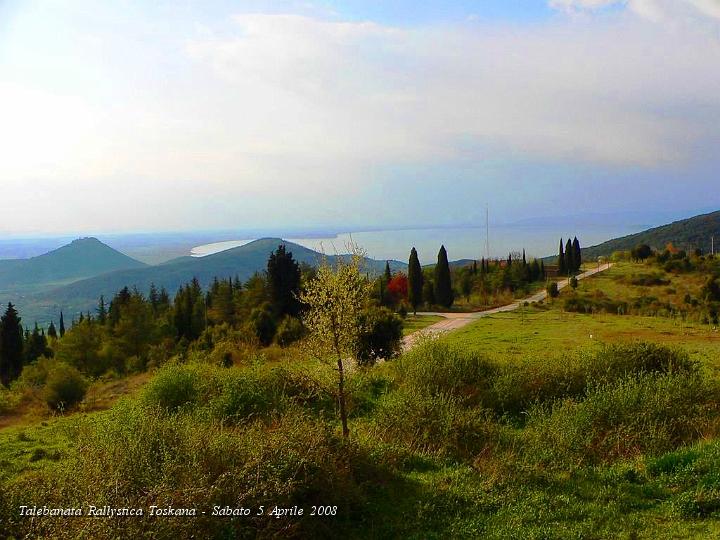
(453, 321)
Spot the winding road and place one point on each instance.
(453, 321)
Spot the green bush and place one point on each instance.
(381, 337)
(433, 424)
(134, 455)
(64, 386)
(173, 387)
(289, 331)
(436, 367)
(643, 414)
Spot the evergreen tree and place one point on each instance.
(283, 274)
(154, 298)
(429, 292)
(415, 281)
(561, 260)
(62, 325)
(11, 346)
(569, 257)
(509, 260)
(443, 283)
(35, 345)
(388, 274)
(102, 310)
(543, 275)
(52, 332)
(578, 254)
(474, 270)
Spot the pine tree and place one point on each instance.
(415, 281)
(561, 260)
(62, 325)
(283, 274)
(569, 257)
(578, 254)
(11, 346)
(102, 310)
(443, 283)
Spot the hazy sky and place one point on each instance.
(136, 115)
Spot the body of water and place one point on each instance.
(461, 243)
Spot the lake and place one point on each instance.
(461, 243)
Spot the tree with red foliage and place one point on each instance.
(397, 288)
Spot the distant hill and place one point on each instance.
(691, 233)
(80, 259)
(241, 261)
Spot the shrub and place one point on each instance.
(381, 337)
(552, 289)
(64, 387)
(433, 424)
(650, 413)
(173, 387)
(436, 367)
(289, 331)
(263, 324)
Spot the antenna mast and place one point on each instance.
(487, 232)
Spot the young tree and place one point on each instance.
(335, 299)
(283, 274)
(561, 260)
(577, 252)
(415, 281)
(11, 346)
(443, 284)
(552, 289)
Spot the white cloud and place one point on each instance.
(655, 10)
(363, 92)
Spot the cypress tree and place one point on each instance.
(569, 257)
(509, 260)
(443, 284)
(388, 274)
(524, 260)
(561, 260)
(62, 325)
(415, 280)
(578, 254)
(11, 346)
(542, 269)
(474, 270)
(52, 332)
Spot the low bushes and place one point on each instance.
(649, 413)
(64, 386)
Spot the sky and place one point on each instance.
(159, 116)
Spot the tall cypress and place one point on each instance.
(561, 260)
(578, 253)
(415, 280)
(388, 274)
(11, 346)
(443, 284)
(62, 325)
(569, 257)
(524, 259)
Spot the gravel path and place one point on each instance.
(453, 321)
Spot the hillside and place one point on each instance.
(242, 262)
(82, 258)
(691, 233)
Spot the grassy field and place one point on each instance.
(414, 323)
(533, 424)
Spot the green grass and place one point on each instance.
(532, 424)
(413, 323)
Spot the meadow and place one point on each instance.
(541, 423)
